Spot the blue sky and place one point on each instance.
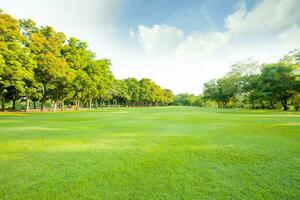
(180, 44)
(189, 15)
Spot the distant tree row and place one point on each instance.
(258, 86)
(250, 84)
(41, 66)
(186, 99)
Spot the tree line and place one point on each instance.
(39, 65)
(258, 86)
(250, 84)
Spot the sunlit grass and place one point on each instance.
(150, 153)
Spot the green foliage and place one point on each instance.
(133, 90)
(279, 79)
(245, 86)
(222, 90)
(16, 61)
(245, 68)
(167, 96)
(186, 99)
(293, 57)
(38, 63)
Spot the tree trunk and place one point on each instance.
(27, 104)
(90, 103)
(34, 105)
(97, 103)
(285, 106)
(43, 106)
(54, 106)
(2, 105)
(284, 103)
(271, 104)
(14, 104)
(62, 105)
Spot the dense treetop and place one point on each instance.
(258, 86)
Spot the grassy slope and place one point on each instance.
(151, 153)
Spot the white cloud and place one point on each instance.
(159, 38)
(203, 44)
(268, 16)
(291, 37)
(190, 60)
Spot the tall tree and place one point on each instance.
(222, 90)
(17, 60)
(245, 68)
(146, 91)
(133, 86)
(99, 71)
(52, 68)
(281, 80)
(78, 57)
(120, 92)
(2, 81)
(168, 96)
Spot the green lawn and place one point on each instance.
(150, 153)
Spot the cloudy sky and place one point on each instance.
(178, 44)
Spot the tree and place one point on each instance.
(199, 101)
(211, 90)
(168, 96)
(133, 86)
(292, 58)
(146, 91)
(222, 90)
(281, 80)
(157, 96)
(186, 99)
(52, 69)
(79, 57)
(2, 81)
(120, 92)
(245, 68)
(17, 61)
(183, 99)
(100, 74)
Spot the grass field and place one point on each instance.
(150, 153)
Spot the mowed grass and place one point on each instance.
(150, 153)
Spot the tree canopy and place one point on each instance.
(39, 64)
(268, 86)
